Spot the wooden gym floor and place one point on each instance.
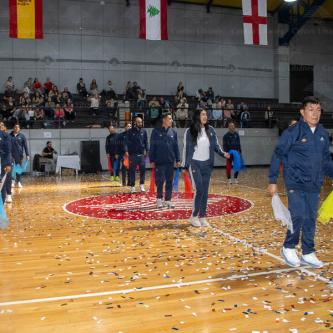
(65, 273)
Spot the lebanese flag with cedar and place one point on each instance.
(153, 19)
(255, 22)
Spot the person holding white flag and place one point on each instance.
(303, 150)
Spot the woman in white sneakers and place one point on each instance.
(200, 144)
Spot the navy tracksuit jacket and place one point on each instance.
(113, 147)
(164, 152)
(306, 161)
(19, 148)
(6, 160)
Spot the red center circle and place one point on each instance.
(142, 206)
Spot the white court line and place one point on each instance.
(133, 290)
(264, 251)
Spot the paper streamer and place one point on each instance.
(281, 213)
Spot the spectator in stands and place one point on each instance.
(66, 94)
(111, 109)
(48, 85)
(69, 110)
(240, 108)
(228, 112)
(180, 92)
(244, 118)
(26, 88)
(49, 108)
(28, 116)
(154, 111)
(180, 87)
(37, 85)
(25, 99)
(210, 94)
(135, 90)
(270, 119)
(129, 91)
(94, 104)
(59, 114)
(58, 99)
(81, 88)
(200, 95)
(217, 114)
(93, 87)
(165, 105)
(30, 84)
(9, 84)
(39, 114)
(37, 100)
(141, 102)
(182, 113)
(110, 93)
(8, 108)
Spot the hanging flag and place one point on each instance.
(255, 22)
(26, 19)
(153, 19)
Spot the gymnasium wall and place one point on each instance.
(257, 144)
(86, 38)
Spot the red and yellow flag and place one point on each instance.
(26, 19)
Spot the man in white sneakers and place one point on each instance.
(303, 150)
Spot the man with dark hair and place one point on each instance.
(112, 148)
(124, 169)
(303, 150)
(231, 141)
(136, 148)
(19, 147)
(163, 154)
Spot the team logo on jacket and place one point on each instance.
(143, 206)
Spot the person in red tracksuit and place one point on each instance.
(231, 141)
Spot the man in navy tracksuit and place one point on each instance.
(19, 148)
(136, 148)
(303, 150)
(231, 141)
(6, 161)
(113, 149)
(124, 170)
(163, 154)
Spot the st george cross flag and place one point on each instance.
(255, 22)
(153, 19)
(26, 19)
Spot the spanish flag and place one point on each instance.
(26, 19)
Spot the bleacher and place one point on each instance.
(257, 107)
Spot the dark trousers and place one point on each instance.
(18, 160)
(164, 174)
(115, 171)
(229, 167)
(303, 207)
(124, 174)
(134, 161)
(7, 187)
(200, 174)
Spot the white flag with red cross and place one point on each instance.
(255, 22)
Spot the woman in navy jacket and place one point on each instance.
(200, 144)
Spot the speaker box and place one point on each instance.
(90, 157)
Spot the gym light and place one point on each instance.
(290, 0)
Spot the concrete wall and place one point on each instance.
(257, 144)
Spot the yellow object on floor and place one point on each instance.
(325, 213)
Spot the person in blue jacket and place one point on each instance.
(113, 149)
(231, 141)
(303, 150)
(163, 154)
(6, 160)
(200, 144)
(19, 148)
(136, 148)
(124, 170)
(6, 192)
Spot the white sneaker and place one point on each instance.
(9, 198)
(159, 203)
(204, 222)
(195, 222)
(142, 188)
(229, 181)
(19, 185)
(169, 204)
(133, 189)
(236, 181)
(311, 260)
(13, 183)
(290, 257)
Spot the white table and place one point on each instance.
(68, 161)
